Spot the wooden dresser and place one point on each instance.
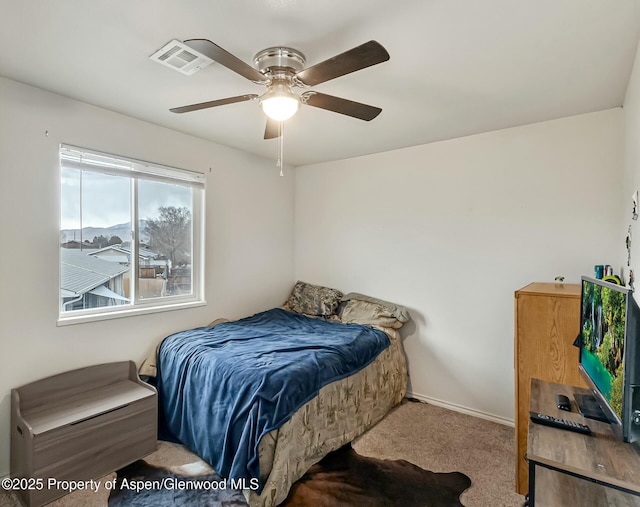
(547, 321)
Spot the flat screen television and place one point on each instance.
(610, 356)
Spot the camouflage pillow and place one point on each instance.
(365, 312)
(387, 308)
(313, 299)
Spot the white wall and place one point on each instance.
(631, 171)
(249, 240)
(452, 229)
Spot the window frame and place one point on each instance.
(138, 170)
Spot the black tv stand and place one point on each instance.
(589, 407)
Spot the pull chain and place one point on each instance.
(280, 161)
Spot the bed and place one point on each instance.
(266, 397)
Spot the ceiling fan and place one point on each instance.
(281, 69)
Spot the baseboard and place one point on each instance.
(461, 409)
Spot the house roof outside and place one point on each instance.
(125, 248)
(76, 244)
(80, 272)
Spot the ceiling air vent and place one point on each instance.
(180, 57)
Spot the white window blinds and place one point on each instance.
(72, 157)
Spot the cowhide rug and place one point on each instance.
(343, 478)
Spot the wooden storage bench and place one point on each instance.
(80, 425)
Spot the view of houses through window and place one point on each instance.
(128, 232)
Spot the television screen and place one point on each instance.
(602, 322)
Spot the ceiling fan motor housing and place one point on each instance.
(279, 62)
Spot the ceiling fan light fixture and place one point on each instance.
(280, 108)
(279, 103)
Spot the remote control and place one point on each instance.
(559, 423)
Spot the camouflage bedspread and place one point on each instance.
(342, 411)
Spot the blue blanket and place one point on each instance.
(222, 388)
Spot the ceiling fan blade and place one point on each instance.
(272, 130)
(223, 57)
(363, 56)
(213, 103)
(342, 106)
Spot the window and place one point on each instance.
(130, 235)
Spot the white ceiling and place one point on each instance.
(457, 67)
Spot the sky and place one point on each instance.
(106, 199)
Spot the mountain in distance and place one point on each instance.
(123, 231)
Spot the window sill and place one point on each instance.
(129, 312)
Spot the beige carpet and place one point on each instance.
(440, 440)
(433, 438)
